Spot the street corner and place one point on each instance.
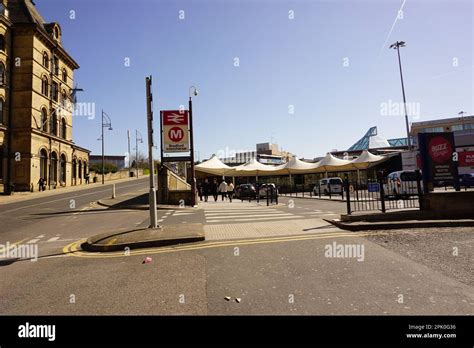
(145, 238)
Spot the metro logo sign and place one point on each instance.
(175, 130)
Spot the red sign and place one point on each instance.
(175, 130)
(440, 149)
(466, 159)
(176, 134)
(175, 117)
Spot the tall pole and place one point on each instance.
(129, 154)
(191, 140)
(397, 45)
(136, 151)
(152, 198)
(103, 179)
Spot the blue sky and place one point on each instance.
(327, 65)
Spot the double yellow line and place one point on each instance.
(73, 248)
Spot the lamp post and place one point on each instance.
(138, 137)
(106, 122)
(461, 113)
(192, 91)
(396, 46)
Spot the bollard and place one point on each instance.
(113, 191)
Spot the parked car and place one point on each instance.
(466, 180)
(402, 183)
(267, 187)
(245, 191)
(333, 185)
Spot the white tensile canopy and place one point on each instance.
(215, 166)
(367, 160)
(329, 163)
(254, 167)
(333, 164)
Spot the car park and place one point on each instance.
(329, 186)
(264, 188)
(402, 183)
(245, 191)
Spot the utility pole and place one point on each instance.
(191, 140)
(138, 137)
(149, 109)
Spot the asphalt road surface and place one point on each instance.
(256, 260)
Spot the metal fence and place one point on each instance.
(383, 194)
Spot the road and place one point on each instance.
(273, 259)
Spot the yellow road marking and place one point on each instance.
(111, 241)
(72, 249)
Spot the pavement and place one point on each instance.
(275, 259)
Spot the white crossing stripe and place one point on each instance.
(254, 220)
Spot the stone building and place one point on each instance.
(36, 109)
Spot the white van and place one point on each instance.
(333, 185)
(402, 183)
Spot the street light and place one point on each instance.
(396, 46)
(192, 91)
(461, 113)
(106, 122)
(138, 138)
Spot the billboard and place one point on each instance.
(438, 159)
(175, 130)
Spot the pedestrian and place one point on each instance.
(41, 184)
(214, 189)
(230, 191)
(199, 188)
(87, 178)
(205, 189)
(223, 189)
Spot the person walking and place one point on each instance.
(199, 189)
(230, 191)
(214, 189)
(205, 189)
(223, 189)
(41, 184)
(87, 178)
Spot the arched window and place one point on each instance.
(85, 169)
(45, 86)
(3, 75)
(63, 128)
(62, 174)
(63, 99)
(80, 170)
(74, 170)
(64, 75)
(54, 168)
(43, 164)
(44, 119)
(45, 60)
(54, 123)
(2, 43)
(2, 121)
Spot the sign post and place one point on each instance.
(152, 196)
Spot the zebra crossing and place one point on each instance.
(256, 213)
